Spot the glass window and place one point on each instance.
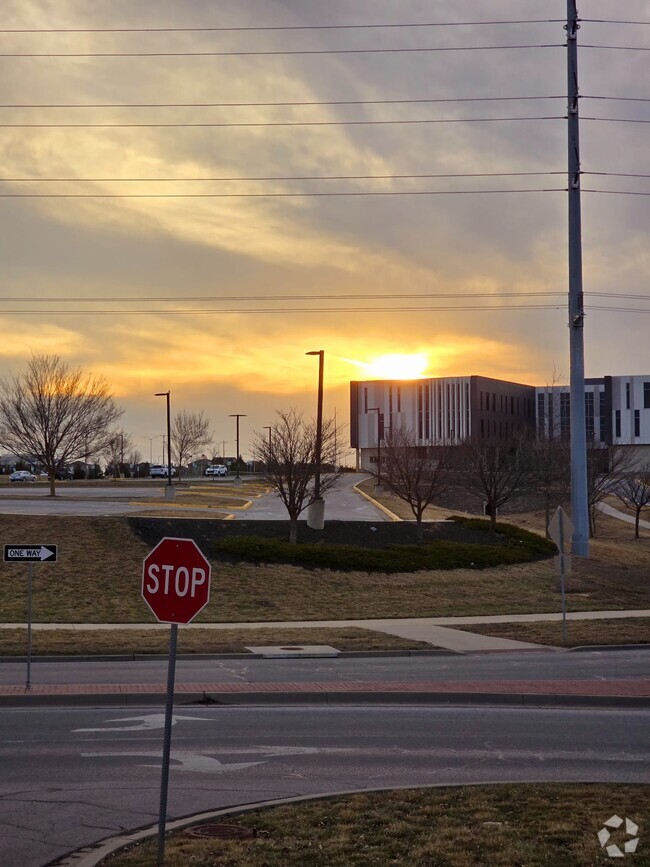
(627, 395)
(646, 395)
(617, 423)
(637, 423)
(603, 417)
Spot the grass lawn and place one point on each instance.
(629, 630)
(13, 642)
(500, 825)
(98, 575)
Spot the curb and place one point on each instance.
(584, 648)
(333, 699)
(163, 657)
(393, 517)
(95, 853)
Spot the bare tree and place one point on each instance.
(54, 414)
(550, 464)
(495, 474)
(290, 458)
(414, 473)
(606, 470)
(634, 491)
(190, 433)
(119, 444)
(550, 452)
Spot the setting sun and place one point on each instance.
(395, 366)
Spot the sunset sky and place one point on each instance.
(219, 298)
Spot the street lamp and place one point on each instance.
(378, 411)
(316, 513)
(270, 430)
(166, 394)
(237, 415)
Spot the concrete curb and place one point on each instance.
(91, 856)
(252, 698)
(393, 517)
(162, 657)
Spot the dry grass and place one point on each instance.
(13, 642)
(500, 825)
(629, 630)
(98, 576)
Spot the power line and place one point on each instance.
(275, 28)
(291, 53)
(613, 47)
(211, 125)
(320, 310)
(282, 104)
(292, 178)
(270, 195)
(616, 174)
(616, 119)
(370, 296)
(617, 192)
(610, 21)
(348, 296)
(619, 98)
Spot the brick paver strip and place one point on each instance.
(633, 686)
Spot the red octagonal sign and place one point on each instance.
(176, 580)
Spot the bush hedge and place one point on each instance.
(511, 545)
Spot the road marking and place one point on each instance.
(149, 722)
(186, 761)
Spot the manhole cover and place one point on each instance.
(224, 832)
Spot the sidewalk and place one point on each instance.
(437, 631)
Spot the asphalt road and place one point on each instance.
(596, 665)
(72, 777)
(117, 498)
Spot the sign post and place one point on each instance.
(560, 529)
(29, 554)
(175, 586)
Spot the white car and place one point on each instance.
(216, 470)
(159, 471)
(22, 476)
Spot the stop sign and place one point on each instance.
(176, 580)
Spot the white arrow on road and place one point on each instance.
(186, 761)
(149, 722)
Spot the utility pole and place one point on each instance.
(579, 501)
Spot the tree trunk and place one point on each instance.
(493, 515)
(636, 524)
(293, 531)
(419, 529)
(547, 514)
(52, 485)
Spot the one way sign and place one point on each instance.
(30, 553)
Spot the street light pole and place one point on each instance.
(270, 430)
(169, 492)
(237, 415)
(378, 411)
(316, 513)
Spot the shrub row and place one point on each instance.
(521, 547)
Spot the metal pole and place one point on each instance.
(169, 442)
(562, 587)
(167, 741)
(378, 411)
(237, 415)
(579, 500)
(319, 420)
(30, 572)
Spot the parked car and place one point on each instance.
(22, 476)
(216, 470)
(160, 471)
